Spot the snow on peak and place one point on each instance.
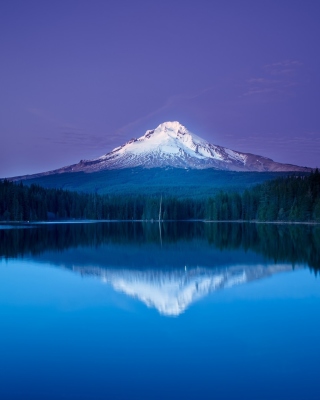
(169, 138)
(174, 126)
(172, 144)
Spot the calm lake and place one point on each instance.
(148, 311)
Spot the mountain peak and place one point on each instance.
(169, 128)
(174, 126)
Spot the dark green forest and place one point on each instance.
(292, 198)
(283, 199)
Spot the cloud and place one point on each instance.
(263, 81)
(276, 79)
(284, 67)
(257, 90)
(305, 142)
(70, 135)
(79, 138)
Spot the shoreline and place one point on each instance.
(265, 222)
(93, 221)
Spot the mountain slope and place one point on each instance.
(172, 145)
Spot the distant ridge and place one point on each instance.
(172, 145)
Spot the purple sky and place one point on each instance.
(78, 78)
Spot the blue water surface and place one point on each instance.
(70, 334)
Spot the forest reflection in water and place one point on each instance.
(277, 243)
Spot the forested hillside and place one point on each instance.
(175, 182)
(294, 198)
(283, 199)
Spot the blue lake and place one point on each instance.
(142, 311)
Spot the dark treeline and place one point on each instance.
(284, 199)
(35, 203)
(277, 243)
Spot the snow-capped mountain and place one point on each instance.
(172, 145)
(172, 291)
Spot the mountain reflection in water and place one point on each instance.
(171, 269)
(172, 291)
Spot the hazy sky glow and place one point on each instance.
(78, 78)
